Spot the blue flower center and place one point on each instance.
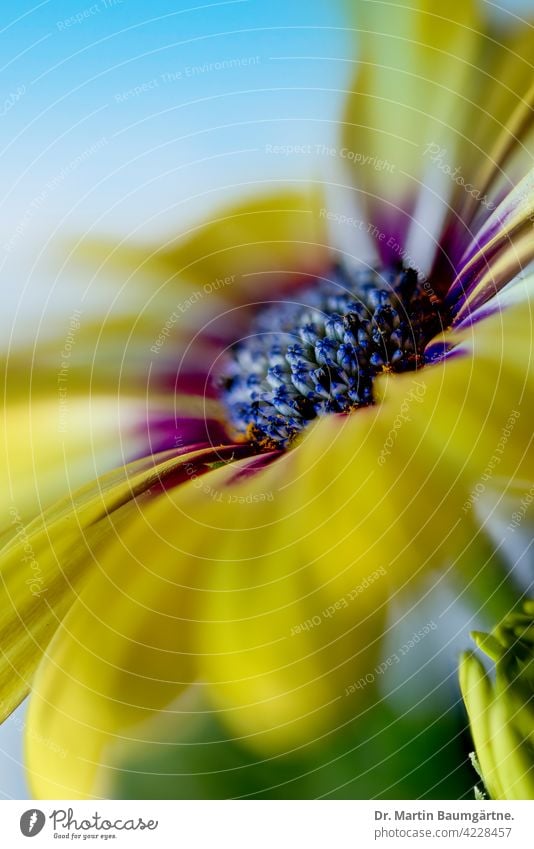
(320, 352)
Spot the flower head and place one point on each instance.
(321, 353)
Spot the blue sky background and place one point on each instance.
(78, 91)
(83, 151)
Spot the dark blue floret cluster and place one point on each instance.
(320, 352)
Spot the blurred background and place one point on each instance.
(132, 120)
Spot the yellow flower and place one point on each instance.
(501, 714)
(226, 565)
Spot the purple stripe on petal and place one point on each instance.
(255, 465)
(492, 228)
(479, 314)
(511, 212)
(184, 431)
(197, 467)
(456, 295)
(466, 278)
(388, 234)
(197, 383)
(440, 350)
(500, 234)
(463, 293)
(455, 353)
(448, 259)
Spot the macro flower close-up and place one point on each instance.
(266, 469)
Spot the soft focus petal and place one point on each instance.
(503, 247)
(110, 665)
(220, 557)
(46, 562)
(76, 409)
(412, 90)
(503, 132)
(138, 352)
(444, 100)
(280, 646)
(52, 445)
(243, 250)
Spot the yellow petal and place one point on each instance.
(504, 125)
(503, 247)
(283, 650)
(207, 553)
(248, 247)
(46, 562)
(442, 108)
(52, 445)
(411, 90)
(122, 652)
(73, 411)
(475, 406)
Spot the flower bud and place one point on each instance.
(501, 710)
